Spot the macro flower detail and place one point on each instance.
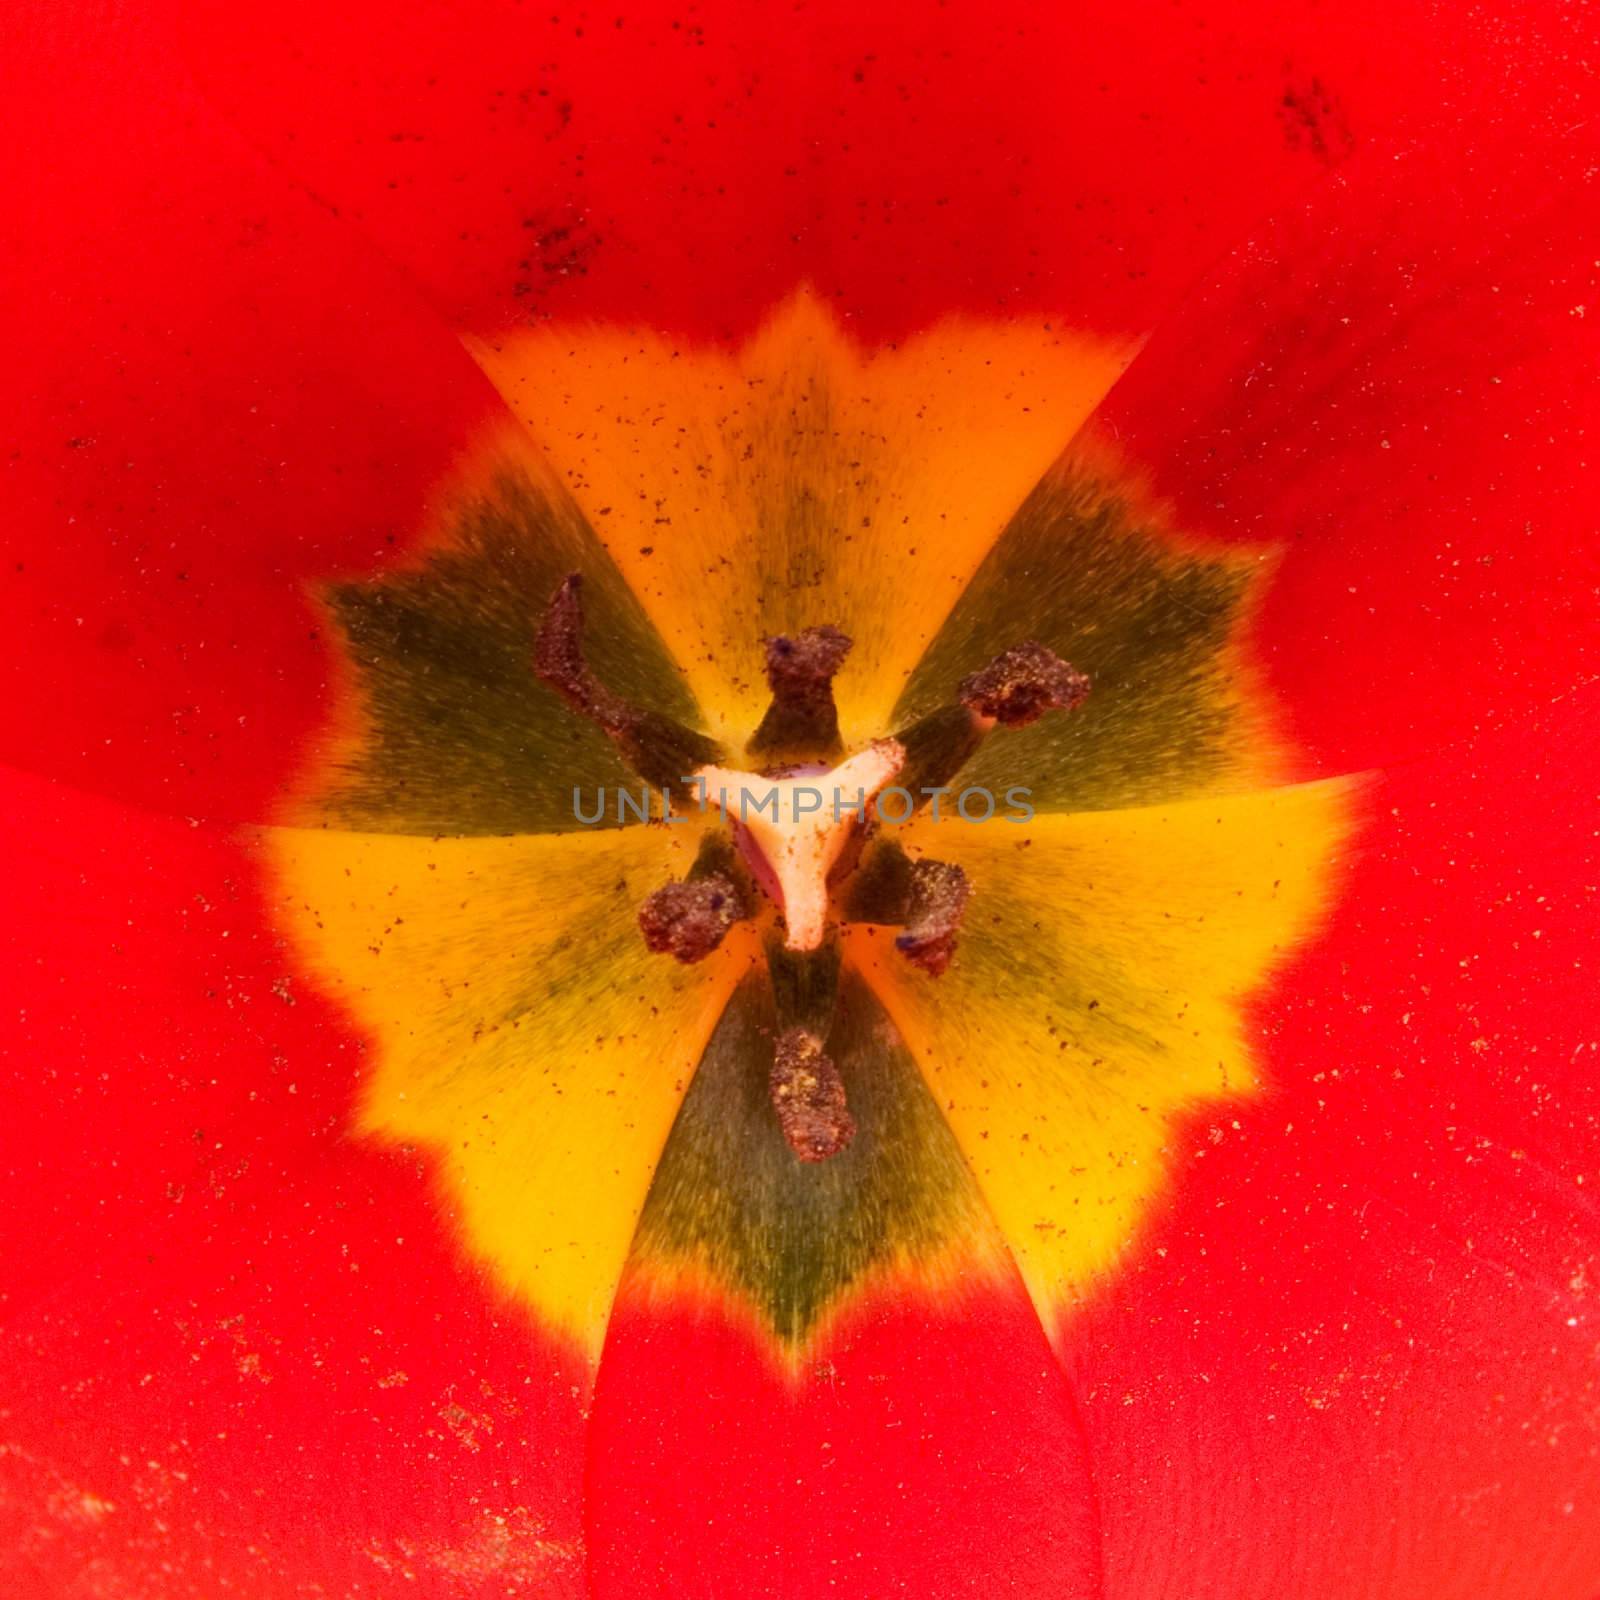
(432, 1171)
(935, 1043)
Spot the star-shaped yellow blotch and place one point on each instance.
(436, 880)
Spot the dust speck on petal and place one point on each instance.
(513, 1548)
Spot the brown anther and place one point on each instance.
(1021, 684)
(802, 719)
(808, 1096)
(657, 748)
(936, 901)
(689, 920)
(559, 660)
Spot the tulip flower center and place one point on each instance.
(800, 827)
(792, 830)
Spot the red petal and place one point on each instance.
(692, 166)
(1357, 1356)
(925, 1448)
(1394, 385)
(212, 391)
(241, 1354)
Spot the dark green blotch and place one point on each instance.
(462, 737)
(1082, 570)
(792, 1236)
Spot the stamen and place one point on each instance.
(802, 722)
(926, 898)
(808, 1095)
(937, 902)
(1018, 687)
(807, 1091)
(660, 750)
(690, 919)
(1021, 684)
(939, 746)
(799, 826)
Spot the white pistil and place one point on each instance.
(800, 825)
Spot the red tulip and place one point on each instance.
(1188, 1196)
